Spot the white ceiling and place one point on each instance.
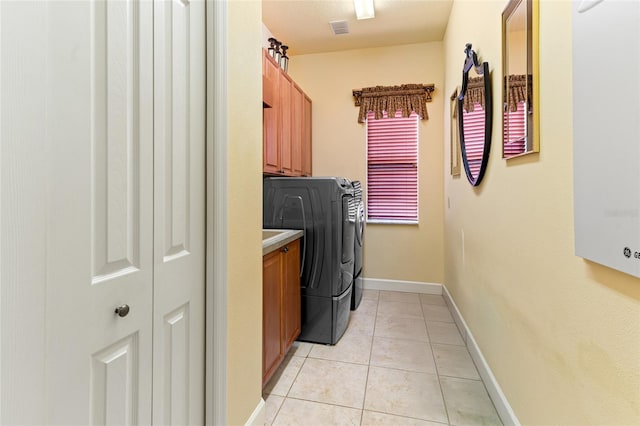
(303, 25)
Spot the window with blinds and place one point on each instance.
(392, 169)
(515, 131)
(474, 125)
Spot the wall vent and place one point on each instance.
(339, 27)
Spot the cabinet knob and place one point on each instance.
(122, 311)
(285, 250)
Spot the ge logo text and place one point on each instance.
(628, 253)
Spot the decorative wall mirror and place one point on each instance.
(520, 78)
(475, 116)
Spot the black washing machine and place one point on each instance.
(324, 208)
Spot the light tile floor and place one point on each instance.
(401, 361)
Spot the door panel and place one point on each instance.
(179, 98)
(172, 113)
(114, 380)
(176, 366)
(115, 116)
(99, 205)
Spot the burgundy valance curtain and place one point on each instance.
(520, 88)
(474, 94)
(407, 98)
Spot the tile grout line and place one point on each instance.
(286, 396)
(278, 410)
(481, 380)
(373, 335)
(333, 404)
(435, 364)
(411, 418)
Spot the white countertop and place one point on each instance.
(273, 239)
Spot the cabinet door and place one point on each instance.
(291, 294)
(269, 80)
(270, 116)
(271, 308)
(306, 136)
(284, 131)
(296, 129)
(270, 148)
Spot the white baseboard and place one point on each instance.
(258, 416)
(503, 408)
(405, 286)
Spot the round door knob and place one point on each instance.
(122, 311)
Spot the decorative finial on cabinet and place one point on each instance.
(272, 47)
(284, 61)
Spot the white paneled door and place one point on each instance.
(179, 237)
(125, 120)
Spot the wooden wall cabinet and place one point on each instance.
(286, 123)
(280, 305)
(270, 73)
(270, 115)
(306, 136)
(296, 129)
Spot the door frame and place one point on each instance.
(216, 216)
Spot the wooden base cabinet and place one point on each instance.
(271, 307)
(291, 295)
(280, 305)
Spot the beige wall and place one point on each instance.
(400, 252)
(244, 254)
(518, 52)
(562, 335)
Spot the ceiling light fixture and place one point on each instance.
(364, 9)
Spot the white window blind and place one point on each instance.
(474, 137)
(392, 169)
(515, 130)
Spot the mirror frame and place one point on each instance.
(471, 60)
(455, 157)
(532, 49)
